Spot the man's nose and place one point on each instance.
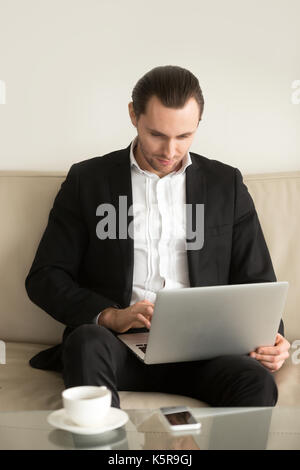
(169, 150)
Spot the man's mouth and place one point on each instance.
(165, 162)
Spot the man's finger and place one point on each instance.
(143, 308)
(145, 302)
(143, 320)
(281, 345)
(271, 358)
(270, 350)
(146, 310)
(272, 366)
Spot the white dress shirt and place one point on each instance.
(159, 230)
(160, 258)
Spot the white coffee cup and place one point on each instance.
(87, 405)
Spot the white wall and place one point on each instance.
(70, 65)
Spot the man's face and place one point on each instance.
(164, 135)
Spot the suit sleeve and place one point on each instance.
(250, 257)
(52, 280)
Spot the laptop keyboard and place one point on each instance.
(142, 347)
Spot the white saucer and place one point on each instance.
(114, 419)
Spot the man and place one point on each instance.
(102, 284)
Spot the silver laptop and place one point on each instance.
(197, 323)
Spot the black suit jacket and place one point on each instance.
(75, 275)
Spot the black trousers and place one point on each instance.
(93, 355)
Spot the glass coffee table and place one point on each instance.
(222, 428)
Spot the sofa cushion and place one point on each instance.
(288, 383)
(25, 388)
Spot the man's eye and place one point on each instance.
(180, 137)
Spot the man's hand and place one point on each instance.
(273, 357)
(138, 315)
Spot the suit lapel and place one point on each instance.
(195, 194)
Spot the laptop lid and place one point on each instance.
(204, 322)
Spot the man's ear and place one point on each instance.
(132, 114)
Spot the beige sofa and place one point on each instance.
(25, 202)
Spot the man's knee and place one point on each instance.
(265, 379)
(85, 338)
(258, 380)
(88, 359)
(242, 381)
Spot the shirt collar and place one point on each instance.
(185, 163)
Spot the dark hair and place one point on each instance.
(173, 86)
